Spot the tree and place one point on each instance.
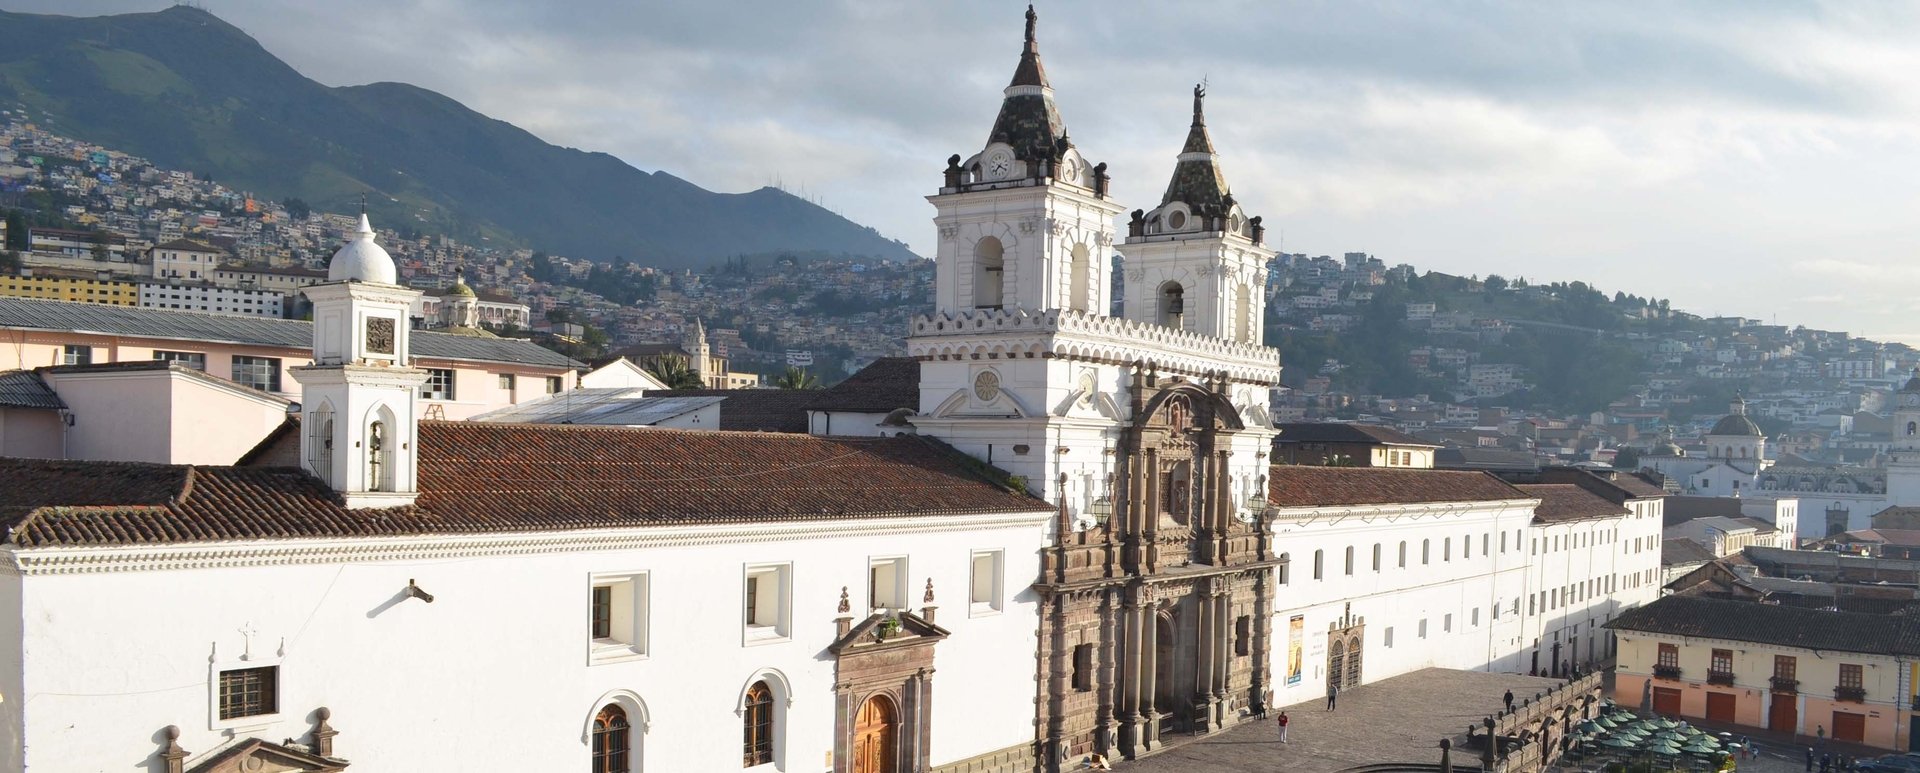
(99, 239)
(1496, 283)
(673, 371)
(797, 378)
(296, 208)
(1626, 459)
(17, 230)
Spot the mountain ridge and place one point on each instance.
(190, 91)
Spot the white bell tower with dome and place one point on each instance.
(1903, 457)
(359, 407)
(1198, 262)
(1025, 223)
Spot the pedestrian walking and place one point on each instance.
(1333, 693)
(1283, 727)
(1508, 698)
(1809, 759)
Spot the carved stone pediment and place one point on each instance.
(913, 631)
(256, 756)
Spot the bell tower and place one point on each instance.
(1025, 223)
(1903, 462)
(1197, 262)
(358, 410)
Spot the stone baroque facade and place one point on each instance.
(1149, 433)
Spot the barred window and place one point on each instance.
(610, 740)
(1850, 675)
(249, 692)
(1670, 655)
(757, 746)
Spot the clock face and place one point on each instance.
(999, 165)
(1069, 170)
(1088, 383)
(380, 335)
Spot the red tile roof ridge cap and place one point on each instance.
(504, 425)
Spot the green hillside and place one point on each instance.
(189, 91)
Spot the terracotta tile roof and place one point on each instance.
(887, 384)
(1563, 502)
(1773, 624)
(489, 478)
(1304, 486)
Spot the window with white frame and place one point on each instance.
(194, 360)
(1389, 637)
(506, 382)
(249, 692)
(76, 354)
(439, 384)
(554, 384)
(1423, 628)
(768, 587)
(617, 616)
(887, 583)
(983, 596)
(262, 373)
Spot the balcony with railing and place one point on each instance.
(1724, 678)
(1785, 684)
(1850, 694)
(1666, 672)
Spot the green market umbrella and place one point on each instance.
(1618, 743)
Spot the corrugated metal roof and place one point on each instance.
(24, 389)
(33, 314)
(608, 406)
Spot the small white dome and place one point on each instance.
(361, 260)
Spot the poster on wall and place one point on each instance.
(1296, 635)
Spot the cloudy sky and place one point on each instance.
(1759, 159)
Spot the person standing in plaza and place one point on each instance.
(1333, 693)
(1508, 698)
(1809, 759)
(1283, 726)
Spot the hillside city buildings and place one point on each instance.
(1049, 532)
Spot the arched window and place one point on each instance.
(379, 469)
(1079, 280)
(1426, 551)
(1243, 313)
(1173, 305)
(1349, 559)
(612, 740)
(1319, 563)
(757, 748)
(1376, 556)
(1913, 427)
(1403, 554)
(1285, 566)
(989, 277)
(320, 455)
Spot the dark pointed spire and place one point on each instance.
(1197, 179)
(1197, 139)
(1028, 120)
(1030, 73)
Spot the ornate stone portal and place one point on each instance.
(1157, 621)
(883, 690)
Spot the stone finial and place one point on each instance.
(171, 754)
(323, 733)
(927, 598)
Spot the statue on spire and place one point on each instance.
(1032, 18)
(1199, 93)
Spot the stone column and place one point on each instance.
(1129, 664)
(1262, 652)
(1150, 514)
(1205, 622)
(1110, 628)
(1150, 674)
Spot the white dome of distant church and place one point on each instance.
(361, 260)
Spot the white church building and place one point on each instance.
(1075, 543)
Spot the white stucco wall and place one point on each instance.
(496, 670)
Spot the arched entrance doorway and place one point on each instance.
(1336, 662)
(874, 733)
